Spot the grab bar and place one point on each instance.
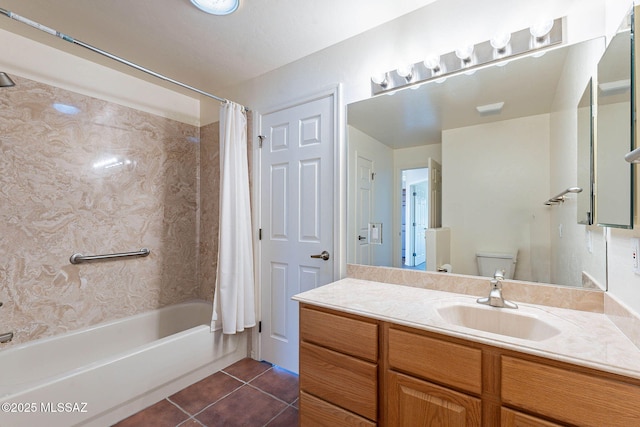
(78, 258)
(560, 197)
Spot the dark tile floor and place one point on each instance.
(248, 393)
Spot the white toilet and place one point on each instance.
(489, 262)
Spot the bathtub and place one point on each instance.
(99, 375)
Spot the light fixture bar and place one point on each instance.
(520, 43)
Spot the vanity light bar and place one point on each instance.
(520, 43)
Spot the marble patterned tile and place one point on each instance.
(535, 293)
(624, 318)
(79, 174)
(209, 211)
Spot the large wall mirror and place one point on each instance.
(443, 172)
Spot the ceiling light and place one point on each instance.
(490, 108)
(217, 7)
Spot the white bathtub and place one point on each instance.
(99, 375)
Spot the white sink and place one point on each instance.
(502, 321)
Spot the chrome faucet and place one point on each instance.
(495, 298)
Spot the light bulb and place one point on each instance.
(405, 71)
(380, 79)
(465, 52)
(541, 29)
(432, 62)
(500, 41)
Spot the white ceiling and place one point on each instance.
(173, 38)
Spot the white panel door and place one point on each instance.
(364, 183)
(297, 194)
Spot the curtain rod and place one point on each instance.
(70, 39)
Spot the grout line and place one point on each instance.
(269, 394)
(253, 378)
(276, 416)
(223, 397)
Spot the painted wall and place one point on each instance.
(438, 27)
(575, 248)
(493, 189)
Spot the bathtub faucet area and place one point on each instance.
(6, 337)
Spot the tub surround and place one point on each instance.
(100, 178)
(587, 338)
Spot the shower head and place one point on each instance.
(5, 80)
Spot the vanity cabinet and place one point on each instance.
(568, 395)
(338, 369)
(356, 371)
(423, 375)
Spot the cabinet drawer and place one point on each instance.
(346, 335)
(510, 418)
(569, 396)
(414, 403)
(317, 412)
(339, 379)
(433, 359)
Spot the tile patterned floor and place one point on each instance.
(248, 393)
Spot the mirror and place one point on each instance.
(586, 171)
(614, 135)
(505, 138)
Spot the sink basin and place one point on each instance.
(502, 321)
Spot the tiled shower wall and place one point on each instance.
(100, 178)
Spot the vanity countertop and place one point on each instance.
(585, 338)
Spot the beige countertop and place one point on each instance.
(585, 338)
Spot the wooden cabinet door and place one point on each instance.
(416, 403)
(511, 418)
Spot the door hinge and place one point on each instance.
(373, 176)
(259, 326)
(260, 234)
(260, 139)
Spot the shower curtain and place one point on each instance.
(234, 301)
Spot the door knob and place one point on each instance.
(362, 238)
(324, 255)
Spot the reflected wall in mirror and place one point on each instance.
(614, 135)
(506, 140)
(586, 176)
